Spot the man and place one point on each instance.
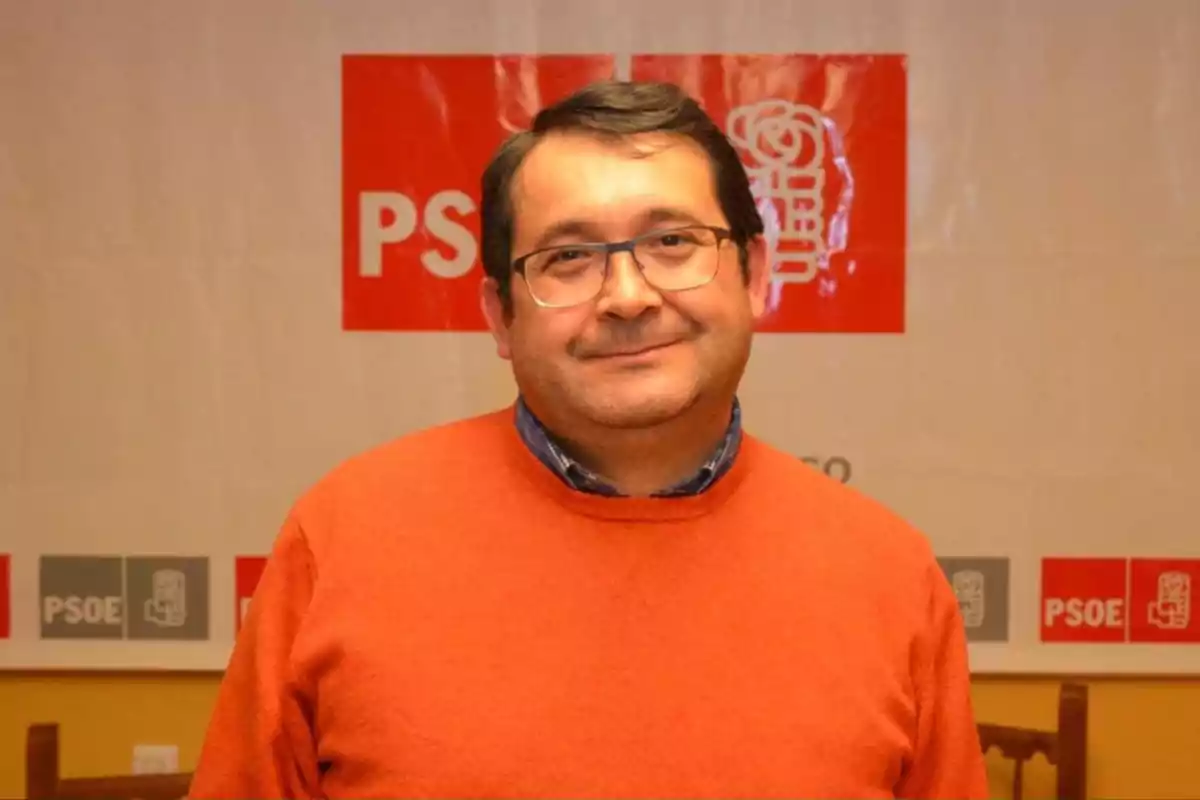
(608, 590)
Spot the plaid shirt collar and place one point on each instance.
(580, 478)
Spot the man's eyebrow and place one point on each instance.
(590, 231)
(670, 214)
(573, 228)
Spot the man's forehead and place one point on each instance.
(590, 170)
(559, 148)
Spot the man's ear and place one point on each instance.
(758, 275)
(496, 315)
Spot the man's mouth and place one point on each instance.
(634, 350)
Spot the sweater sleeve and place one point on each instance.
(947, 761)
(259, 741)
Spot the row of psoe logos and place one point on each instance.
(1085, 600)
(1082, 599)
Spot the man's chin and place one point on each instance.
(639, 411)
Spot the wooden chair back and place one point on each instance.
(43, 782)
(1065, 747)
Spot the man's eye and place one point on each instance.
(567, 255)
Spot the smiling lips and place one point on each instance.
(635, 350)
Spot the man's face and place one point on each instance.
(583, 363)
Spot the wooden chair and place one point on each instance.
(1065, 747)
(42, 781)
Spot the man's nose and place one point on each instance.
(626, 292)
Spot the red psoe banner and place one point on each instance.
(824, 140)
(417, 132)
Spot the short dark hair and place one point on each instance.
(613, 109)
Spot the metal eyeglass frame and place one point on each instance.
(608, 248)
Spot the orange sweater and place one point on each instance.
(441, 617)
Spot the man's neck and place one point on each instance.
(645, 461)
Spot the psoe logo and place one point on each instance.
(167, 605)
(787, 146)
(115, 597)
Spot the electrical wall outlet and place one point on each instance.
(155, 759)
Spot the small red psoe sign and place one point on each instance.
(1084, 600)
(247, 572)
(5, 599)
(824, 141)
(417, 132)
(1162, 604)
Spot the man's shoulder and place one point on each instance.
(431, 456)
(441, 442)
(851, 518)
(864, 545)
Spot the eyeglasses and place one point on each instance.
(670, 260)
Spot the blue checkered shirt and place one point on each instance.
(579, 477)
